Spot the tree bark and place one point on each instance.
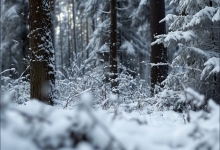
(69, 41)
(42, 73)
(87, 37)
(53, 26)
(52, 10)
(113, 47)
(0, 50)
(158, 52)
(81, 42)
(74, 29)
(60, 56)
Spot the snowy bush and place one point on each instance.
(68, 89)
(18, 89)
(39, 126)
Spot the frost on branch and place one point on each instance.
(212, 66)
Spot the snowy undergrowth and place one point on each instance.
(39, 126)
(18, 89)
(132, 123)
(132, 90)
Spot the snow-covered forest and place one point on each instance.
(110, 74)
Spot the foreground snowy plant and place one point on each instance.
(38, 126)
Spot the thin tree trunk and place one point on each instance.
(60, 56)
(87, 37)
(113, 47)
(52, 10)
(142, 66)
(74, 29)
(68, 40)
(82, 48)
(158, 52)
(53, 30)
(93, 24)
(81, 32)
(42, 73)
(61, 47)
(120, 55)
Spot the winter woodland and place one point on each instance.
(110, 74)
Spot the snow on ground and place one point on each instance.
(38, 126)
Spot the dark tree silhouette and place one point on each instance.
(158, 52)
(42, 76)
(113, 47)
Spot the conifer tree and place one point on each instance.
(196, 31)
(14, 44)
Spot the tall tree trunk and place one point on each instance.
(53, 31)
(82, 38)
(74, 29)
(113, 47)
(61, 47)
(158, 52)
(42, 73)
(142, 59)
(87, 37)
(0, 50)
(82, 41)
(52, 10)
(119, 42)
(68, 41)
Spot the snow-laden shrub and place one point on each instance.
(96, 81)
(181, 100)
(39, 126)
(68, 89)
(19, 89)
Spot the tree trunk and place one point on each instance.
(87, 37)
(113, 47)
(61, 47)
(52, 10)
(42, 73)
(74, 29)
(53, 30)
(93, 24)
(158, 52)
(69, 41)
(142, 66)
(81, 34)
(0, 50)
